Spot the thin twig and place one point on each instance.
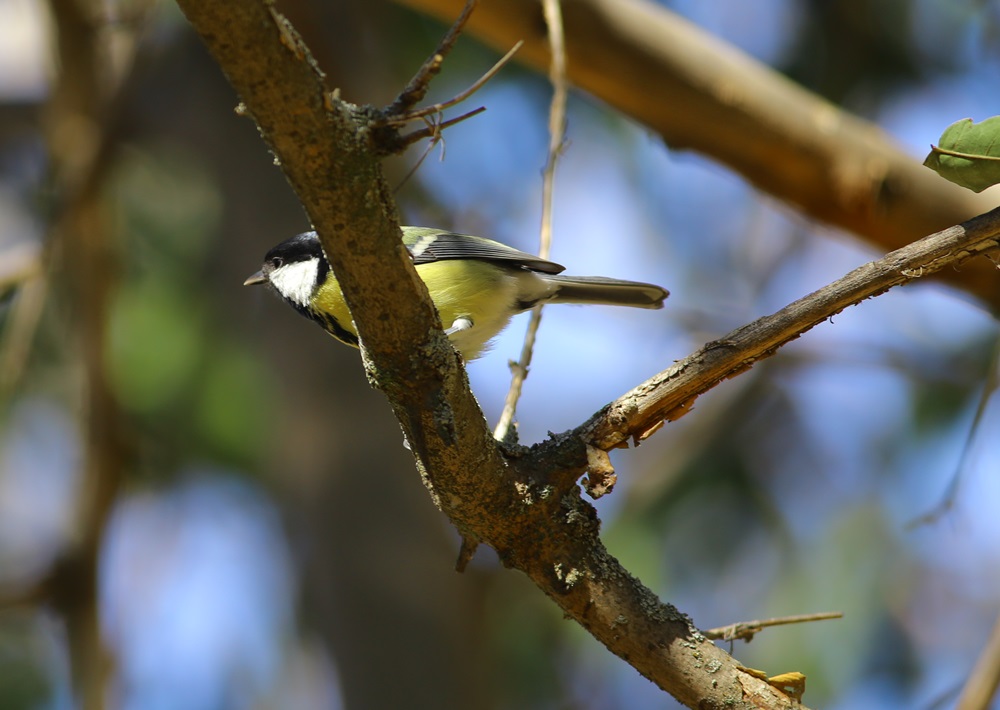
(951, 492)
(557, 133)
(434, 130)
(415, 91)
(394, 119)
(466, 552)
(747, 629)
(420, 161)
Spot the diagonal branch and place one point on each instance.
(551, 535)
(670, 394)
(548, 532)
(417, 89)
(398, 118)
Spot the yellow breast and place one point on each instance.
(476, 290)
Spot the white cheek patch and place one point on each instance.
(296, 281)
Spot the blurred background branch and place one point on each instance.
(83, 264)
(981, 687)
(700, 94)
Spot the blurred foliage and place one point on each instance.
(24, 681)
(186, 380)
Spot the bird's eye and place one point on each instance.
(276, 262)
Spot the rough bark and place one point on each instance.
(325, 148)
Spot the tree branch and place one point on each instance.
(550, 534)
(712, 98)
(670, 394)
(396, 116)
(82, 121)
(417, 89)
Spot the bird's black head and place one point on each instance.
(296, 268)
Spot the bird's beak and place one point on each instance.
(257, 278)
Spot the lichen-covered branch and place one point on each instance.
(549, 533)
(670, 394)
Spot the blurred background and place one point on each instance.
(258, 533)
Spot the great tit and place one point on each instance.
(477, 285)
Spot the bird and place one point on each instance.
(476, 284)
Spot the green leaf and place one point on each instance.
(968, 154)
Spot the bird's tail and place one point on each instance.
(603, 291)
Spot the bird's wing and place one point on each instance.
(427, 245)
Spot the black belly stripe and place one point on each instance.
(330, 324)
